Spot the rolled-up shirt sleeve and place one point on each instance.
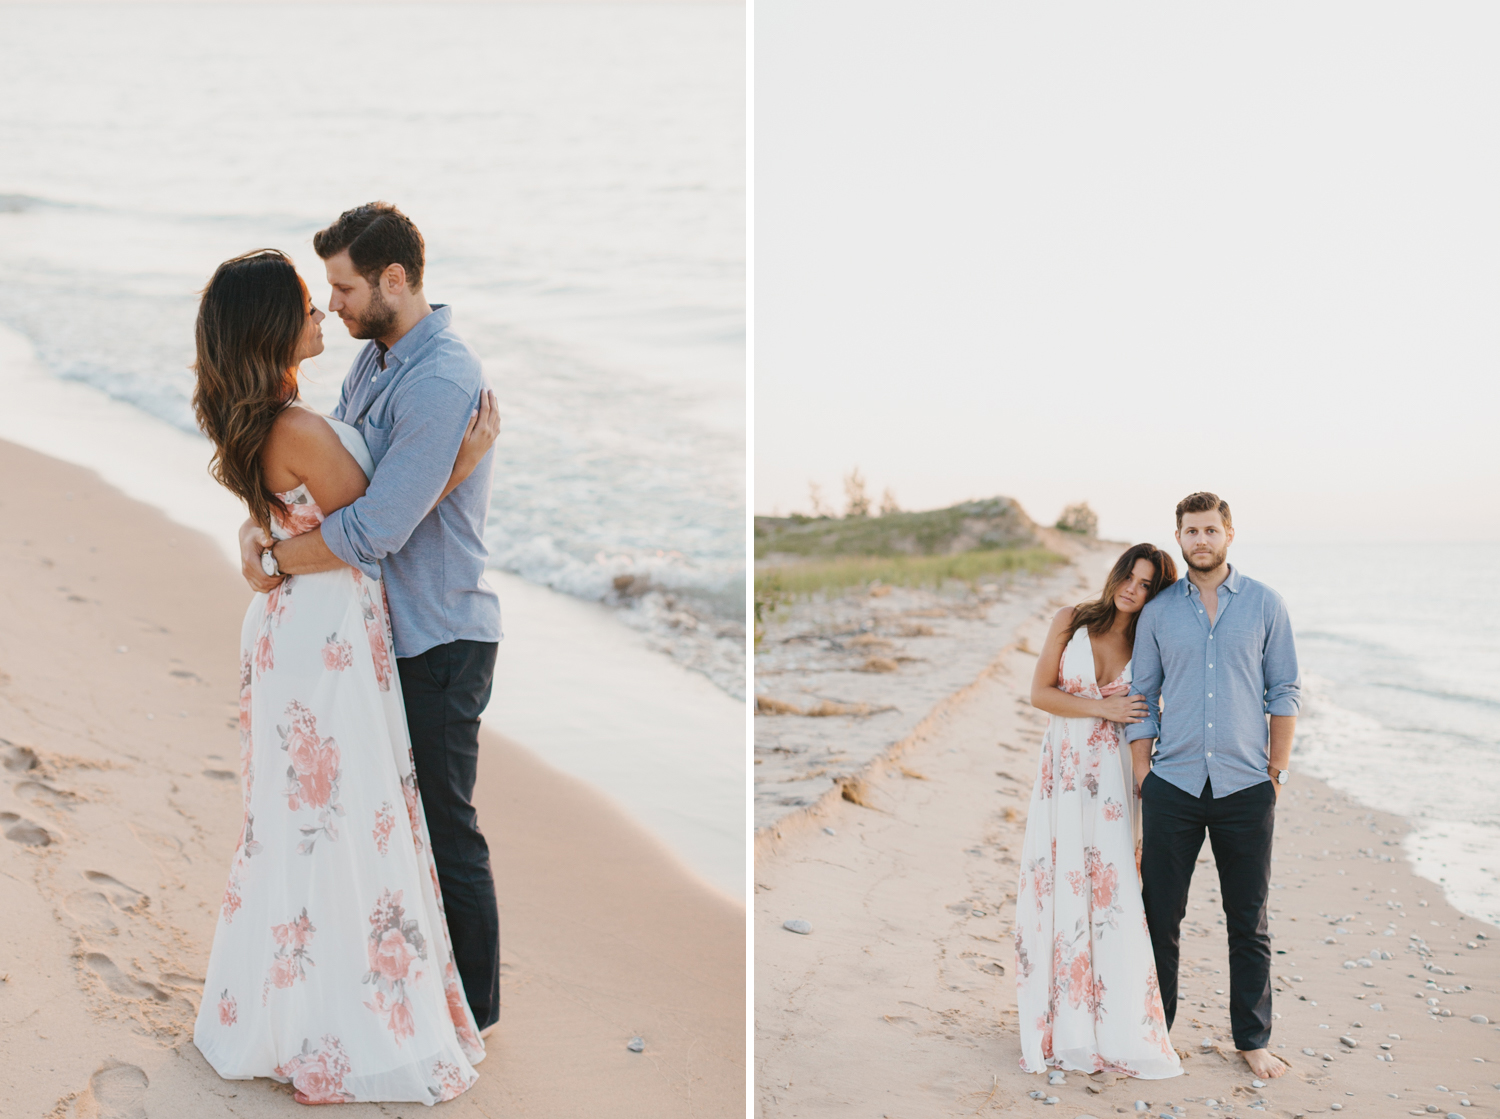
(1146, 678)
(1283, 680)
(427, 428)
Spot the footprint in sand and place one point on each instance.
(44, 795)
(92, 909)
(122, 984)
(126, 897)
(115, 1091)
(18, 757)
(19, 830)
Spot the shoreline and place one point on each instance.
(901, 1001)
(119, 807)
(622, 716)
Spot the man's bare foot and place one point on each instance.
(1264, 1063)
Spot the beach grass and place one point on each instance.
(797, 580)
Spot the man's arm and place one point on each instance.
(1283, 684)
(1146, 676)
(431, 419)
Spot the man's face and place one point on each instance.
(1204, 540)
(354, 299)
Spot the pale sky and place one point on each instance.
(1124, 252)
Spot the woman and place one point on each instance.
(1085, 974)
(331, 965)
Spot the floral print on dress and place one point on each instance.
(337, 655)
(385, 823)
(232, 900)
(291, 959)
(298, 513)
(313, 775)
(1084, 963)
(278, 607)
(318, 1074)
(377, 630)
(343, 747)
(396, 943)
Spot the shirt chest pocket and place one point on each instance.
(377, 438)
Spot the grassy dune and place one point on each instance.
(840, 572)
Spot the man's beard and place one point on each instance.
(1206, 563)
(378, 318)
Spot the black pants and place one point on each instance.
(445, 689)
(1239, 828)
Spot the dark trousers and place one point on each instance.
(1239, 828)
(445, 689)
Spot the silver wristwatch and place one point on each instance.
(268, 563)
(1281, 775)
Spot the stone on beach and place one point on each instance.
(797, 925)
(635, 1044)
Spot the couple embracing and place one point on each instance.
(1173, 703)
(357, 950)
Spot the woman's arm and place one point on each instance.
(480, 436)
(1047, 696)
(304, 450)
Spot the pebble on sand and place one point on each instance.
(1480, 1018)
(1257, 1083)
(797, 925)
(635, 1044)
(829, 831)
(1349, 1041)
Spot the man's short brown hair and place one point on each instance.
(377, 235)
(1204, 502)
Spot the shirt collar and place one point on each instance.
(415, 338)
(1232, 583)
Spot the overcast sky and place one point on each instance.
(1121, 253)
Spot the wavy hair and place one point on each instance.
(250, 318)
(1099, 614)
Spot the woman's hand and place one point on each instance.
(479, 437)
(483, 430)
(1123, 708)
(253, 541)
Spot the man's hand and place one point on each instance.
(1140, 761)
(253, 541)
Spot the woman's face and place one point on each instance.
(1135, 590)
(311, 342)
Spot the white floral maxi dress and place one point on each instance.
(331, 964)
(1086, 983)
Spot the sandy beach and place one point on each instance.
(900, 1003)
(119, 806)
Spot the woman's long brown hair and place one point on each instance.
(1099, 614)
(251, 315)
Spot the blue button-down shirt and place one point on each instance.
(1216, 682)
(413, 411)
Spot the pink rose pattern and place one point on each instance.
(397, 950)
(385, 822)
(291, 960)
(337, 655)
(377, 629)
(318, 1074)
(299, 513)
(313, 775)
(1084, 970)
(396, 943)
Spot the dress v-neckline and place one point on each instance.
(1095, 664)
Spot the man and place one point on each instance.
(411, 394)
(1216, 650)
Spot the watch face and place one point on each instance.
(268, 562)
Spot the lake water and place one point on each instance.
(577, 172)
(1401, 692)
